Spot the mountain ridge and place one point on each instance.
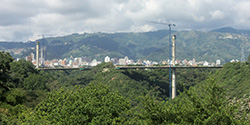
(231, 30)
(153, 45)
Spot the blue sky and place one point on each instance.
(24, 20)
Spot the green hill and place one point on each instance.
(208, 46)
(235, 78)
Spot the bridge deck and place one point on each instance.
(138, 67)
(64, 68)
(165, 67)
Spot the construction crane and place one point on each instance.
(170, 55)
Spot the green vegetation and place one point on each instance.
(105, 95)
(92, 104)
(15, 84)
(235, 78)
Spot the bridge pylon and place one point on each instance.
(173, 64)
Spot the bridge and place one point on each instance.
(171, 65)
(85, 68)
(139, 67)
(166, 67)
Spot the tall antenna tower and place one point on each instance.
(242, 58)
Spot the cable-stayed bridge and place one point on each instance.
(171, 64)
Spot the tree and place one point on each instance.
(204, 104)
(21, 70)
(93, 104)
(35, 81)
(5, 60)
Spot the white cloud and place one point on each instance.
(23, 20)
(217, 15)
(242, 17)
(144, 28)
(198, 18)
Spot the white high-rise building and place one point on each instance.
(205, 63)
(126, 58)
(107, 59)
(122, 61)
(218, 62)
(80, 61)
(70, 63)
(32, 55)
(94, 63)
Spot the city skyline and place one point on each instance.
(77, 62)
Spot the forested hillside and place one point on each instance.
(224, 44)
(235, 77)
(104, 95)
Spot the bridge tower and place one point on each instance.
(37, 54)
(173, 64)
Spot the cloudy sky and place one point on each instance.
(23, 20)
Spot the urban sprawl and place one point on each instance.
(78, 62)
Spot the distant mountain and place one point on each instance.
(208, 46)
(12, 45)
(231, 30)
(224, 44)
(226, 30)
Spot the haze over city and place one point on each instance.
(27, 19)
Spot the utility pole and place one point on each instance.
(173, 73)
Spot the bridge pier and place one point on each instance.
(173, 71)
(173, 84)
(37, 54)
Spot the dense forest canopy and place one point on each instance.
(97, 96)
